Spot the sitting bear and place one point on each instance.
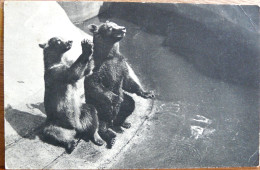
(105, 87)
(67, 117)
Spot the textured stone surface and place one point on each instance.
(31, 154)
(79, 11)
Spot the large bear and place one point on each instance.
(67, 117)
(106, 87)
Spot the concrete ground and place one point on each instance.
(205, 113)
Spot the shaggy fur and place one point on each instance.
(105, 87)
(67, 117)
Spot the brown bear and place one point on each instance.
(67, 117)
(105, 88)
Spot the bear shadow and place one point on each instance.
(24, 123)
(39, 106)
(30, 126)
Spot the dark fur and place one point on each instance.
(105, 87)
(66, 116)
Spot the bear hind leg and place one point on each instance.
(107, 135)
(126, 109)
(97, 139)
(90, 123)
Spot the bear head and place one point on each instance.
(57, 44)
(107, 32)
(53, 50)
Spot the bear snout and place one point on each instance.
(123, 30)
(68, 44)
(120, 29)
(120, 32)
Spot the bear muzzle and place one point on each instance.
(120, 32)
(69, 44)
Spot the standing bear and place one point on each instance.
(105, 88)
(67, 117)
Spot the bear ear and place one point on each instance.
(43, 45)
(93, 28)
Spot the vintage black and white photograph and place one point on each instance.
(126, 85)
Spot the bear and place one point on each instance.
(68, 118)
(106, 88)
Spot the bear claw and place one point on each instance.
(148, 95)
(118, 129)
(126, 125)
(71, 146)
(111, 143)
(86, 46)
(99, 142)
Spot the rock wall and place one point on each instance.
(220, 41)
(79, 11)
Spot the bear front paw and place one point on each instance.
(87, 47)
(110, 143)
(126, 125)
(98, 142)
(117, 129)
(148, 95)
(70, 146)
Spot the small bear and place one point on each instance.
(67, 116)
(105, 88)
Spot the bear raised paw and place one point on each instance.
(67, 117)
(105, 88)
